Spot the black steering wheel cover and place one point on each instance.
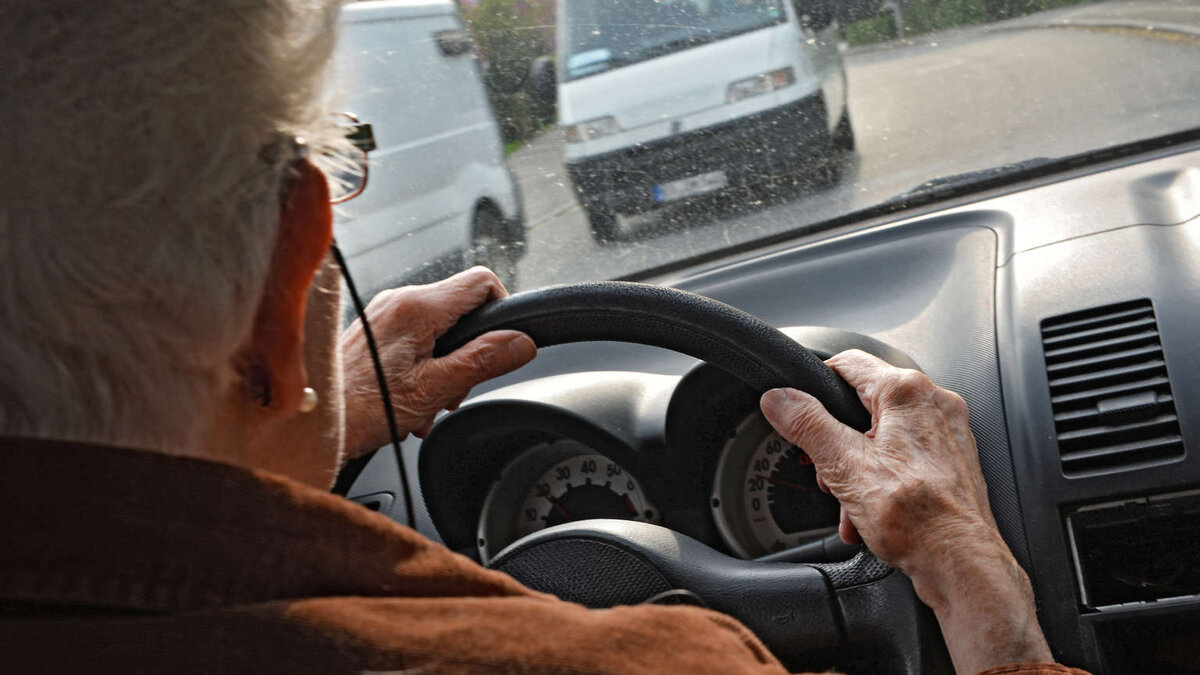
(728, 338)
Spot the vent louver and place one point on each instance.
(1112, 400)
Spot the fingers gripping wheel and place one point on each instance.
(728, 338)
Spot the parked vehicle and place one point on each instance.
(743, 91)
(440, 196)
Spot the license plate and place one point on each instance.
(688, 187)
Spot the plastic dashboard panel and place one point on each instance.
(943, 288)
(1144, 261)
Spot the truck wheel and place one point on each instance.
(491, 249)
(843, 134)
(604, 225)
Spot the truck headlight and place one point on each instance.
(763, 83)
(592, 129)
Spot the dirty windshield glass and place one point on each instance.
(602, 34)
(575, 140)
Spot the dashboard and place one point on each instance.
(1064, 311)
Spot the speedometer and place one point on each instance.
(555, 483)
(581, 488)
(765, 494)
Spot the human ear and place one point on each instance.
(272, 363)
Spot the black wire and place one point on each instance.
(388, 412)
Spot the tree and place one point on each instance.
(510, 34)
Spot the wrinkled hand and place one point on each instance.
(909, 485)
(406, 322)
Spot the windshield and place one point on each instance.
(583, 140)
(603, 34)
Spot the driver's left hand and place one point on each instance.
(406, 322)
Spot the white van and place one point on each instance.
(662, 100)
(439, 189)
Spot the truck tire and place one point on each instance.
(604, 226)
(491, 249)
(843, 134)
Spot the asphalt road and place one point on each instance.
(1047, 85)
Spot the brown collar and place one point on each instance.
(132, 530)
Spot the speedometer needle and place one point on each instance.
(554, 503)
(784, 483)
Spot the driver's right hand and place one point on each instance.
(909, 486)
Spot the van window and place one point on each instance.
(606, 34)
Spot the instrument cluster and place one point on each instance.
(719, 474)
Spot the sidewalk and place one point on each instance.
(545, 188)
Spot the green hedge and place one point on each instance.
(510, 34)
(926, 16)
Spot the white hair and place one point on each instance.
(138, 210)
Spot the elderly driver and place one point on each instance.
(175, 399)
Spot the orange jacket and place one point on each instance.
(127, 561)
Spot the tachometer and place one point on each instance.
(555, 483)
(765, 494)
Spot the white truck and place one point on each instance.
(661, 100)
(440, 196)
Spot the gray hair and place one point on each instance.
(138, 210)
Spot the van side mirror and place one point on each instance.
(821, 13)
(543, 82)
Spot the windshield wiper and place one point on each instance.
(677, 45)
(948, 186)
(696, 39)
(597, 67)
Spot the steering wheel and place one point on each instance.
(861, 610)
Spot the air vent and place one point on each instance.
(1112, 400)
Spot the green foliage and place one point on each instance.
(510, 34)
(869, 31)
(516, 116)
(925, 16)
(1005, 9)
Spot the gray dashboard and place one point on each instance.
(964, 291)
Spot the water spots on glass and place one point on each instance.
(661, 130)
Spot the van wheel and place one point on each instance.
(843, 134)
(605, 227)
(491, 249)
